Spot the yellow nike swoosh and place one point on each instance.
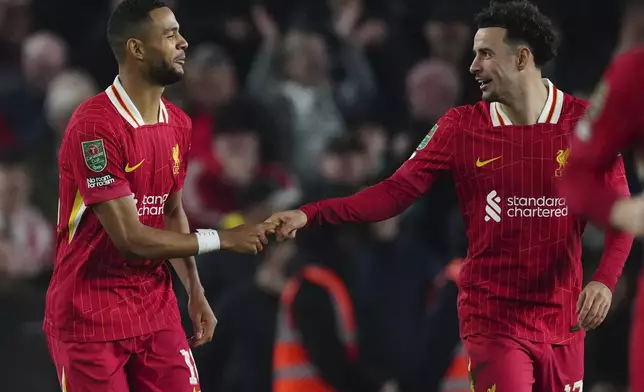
(480, 163)
(129, 169)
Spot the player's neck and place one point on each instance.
(144, 95)
(525, 107)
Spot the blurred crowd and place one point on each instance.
(291, 101)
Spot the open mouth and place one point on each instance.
(180, 61)
(484, 83)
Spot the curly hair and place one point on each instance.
(524, 24)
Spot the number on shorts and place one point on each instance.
(578, 386)
(190, 362)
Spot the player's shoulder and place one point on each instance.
(468, 115)
(97, 113)
(574, 102)
(176, 115)
(624, 72)
(630, 60)
(573, 107)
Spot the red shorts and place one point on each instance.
(159, 362)
(502, 363)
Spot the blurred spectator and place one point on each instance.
(316, 103)
(238, 185)
(212, 90)
(375, 139)
(15, 24)
(316, 329)
(225, 22)
(448, 40)
(211, 78)
(344, 168)
(25, 258)
(210, 83)
(44, 56)
(433, 87)
(244, 344)
(447, 35)
(25, 236)
(65, 92)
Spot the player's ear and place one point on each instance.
(523, 57)
(135, 48)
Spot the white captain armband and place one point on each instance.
(208, 240)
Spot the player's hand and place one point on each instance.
(203, 320)
(247, 238)
(288, 222)
(593, 305)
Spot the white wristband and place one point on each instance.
(208, 240)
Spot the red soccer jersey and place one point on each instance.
(107, 153)
(522, 275)
(615, 123)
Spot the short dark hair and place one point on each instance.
(524, 24)
(126, 21)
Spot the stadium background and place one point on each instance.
(378, 74)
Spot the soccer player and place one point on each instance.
(112, 320)
(614, 123)
(520, 284)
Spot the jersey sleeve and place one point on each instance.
(96, 160)
(432, 157)
(609, 127)
(395, 194)
(617, 244)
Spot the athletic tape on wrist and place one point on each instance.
(208, 240)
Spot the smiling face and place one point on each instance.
(163, 48)
(495, 65)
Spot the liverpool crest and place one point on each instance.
(562, 160)
(176, 159)
(94, 154)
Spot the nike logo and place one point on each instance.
(129, 169)
(480, 163)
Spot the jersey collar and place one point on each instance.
(549, 115)
(124, 105)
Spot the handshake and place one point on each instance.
(251, 238)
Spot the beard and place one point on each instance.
(164, 74)
(491, 96)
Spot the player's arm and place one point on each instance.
(609, 128)
(617, 243)
(386, 199)
(186, 267)
(396, 193)
(98, 166)
(120, 220)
